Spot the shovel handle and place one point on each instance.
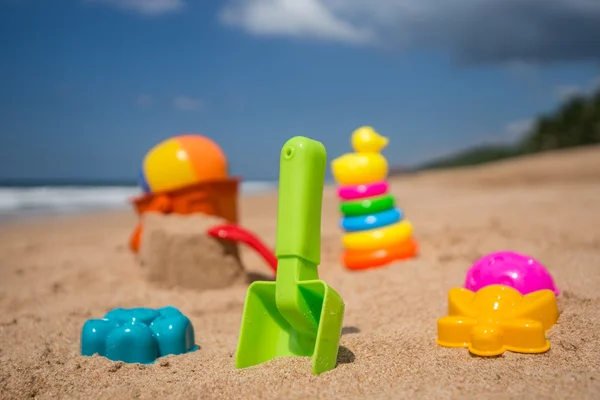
(301, 180)
(235, 233)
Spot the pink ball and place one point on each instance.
(511, 269)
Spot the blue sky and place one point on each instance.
(88, 86)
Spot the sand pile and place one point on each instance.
(55, 274)
(176, 251)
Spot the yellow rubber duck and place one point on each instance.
(366, 165)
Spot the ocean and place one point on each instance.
(30, 199)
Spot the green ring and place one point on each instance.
(365, 206)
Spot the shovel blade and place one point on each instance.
(266, 333)
(331, 318)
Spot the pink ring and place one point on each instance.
(353, 192)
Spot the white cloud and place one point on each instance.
(145, 100)
(144, 7)
(186, 103)
(476, 31)
(565, 92)
(511, 133)
(310, 18)
(517, 129)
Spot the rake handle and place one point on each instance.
(235, 233)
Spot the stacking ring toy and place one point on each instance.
(379, 238)
(353, 192)
(365, 222)
(367, 206)
(365, 259)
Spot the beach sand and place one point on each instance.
(57, 272)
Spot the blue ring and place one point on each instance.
(364, 222)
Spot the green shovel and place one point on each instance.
(298, 314)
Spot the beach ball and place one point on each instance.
(182, 161)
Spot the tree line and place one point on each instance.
(576, 122)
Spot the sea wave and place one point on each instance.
(68, 199)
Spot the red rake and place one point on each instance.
(235, 233)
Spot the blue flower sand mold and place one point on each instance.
(138, 335)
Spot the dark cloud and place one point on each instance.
(475, 31)
(529, 31)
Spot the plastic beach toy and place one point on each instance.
(298, 314)
(373, 239)
(367, 206)
(376, 232)
(365, 259)
(182, 161)
(235, 233)
(498, 318)
(509, 268)
(377, 220)
(366, 165)
(186, 174)
(353, 192)
(138, 335)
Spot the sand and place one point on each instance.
(57, 272)
(175, 247)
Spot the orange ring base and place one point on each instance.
(366, 259)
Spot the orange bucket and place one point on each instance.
(216, 198)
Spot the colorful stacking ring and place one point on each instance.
(371, 205)
(364, 259)
(379, 238)
(364, 222)
(353, 192)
